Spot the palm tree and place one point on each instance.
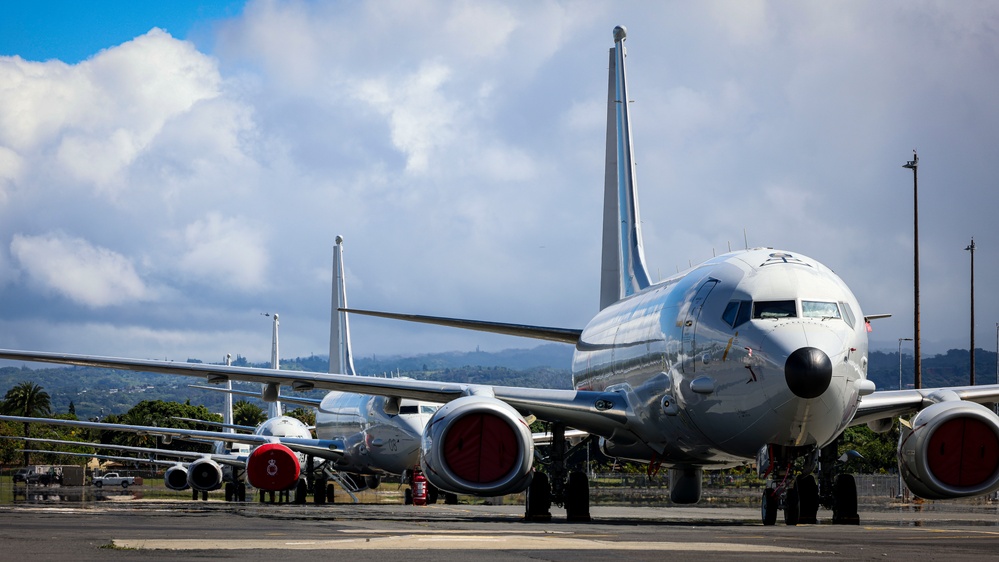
(27, 399)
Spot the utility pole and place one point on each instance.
(971, 248)
(914, 165)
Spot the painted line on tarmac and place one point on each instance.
(451, 542)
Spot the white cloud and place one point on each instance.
(224, 251)
(74, 268)
(99, 115)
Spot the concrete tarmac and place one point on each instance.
(189, 530)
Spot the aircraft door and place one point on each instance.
(690, 325)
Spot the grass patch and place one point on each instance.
(112, 546)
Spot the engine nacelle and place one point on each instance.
(478, 445)
(204, 475)
(951, 450)
(273, 466)
(175, 478)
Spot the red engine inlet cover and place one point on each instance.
(481, 448)
(273, 467)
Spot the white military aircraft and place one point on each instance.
(755, 355)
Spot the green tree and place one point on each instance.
(27, 399)
(304, 415)
(159, 413)
(246, 413)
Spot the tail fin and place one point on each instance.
(623, 270)
(271, 391)
(341, 359)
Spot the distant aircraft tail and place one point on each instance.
(623, 269)
(341, 358)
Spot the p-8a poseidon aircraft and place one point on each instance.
(754, 356)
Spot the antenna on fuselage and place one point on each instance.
(623, 269)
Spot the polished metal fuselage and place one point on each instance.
(374, 441)
(703, 392)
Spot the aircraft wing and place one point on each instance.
(322, 448)
(115, 458)
(563, 335)
(283, 398)
(233, 426)
(600, 413)
(891, 403)
(230, 459)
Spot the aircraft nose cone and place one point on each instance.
(808, 372)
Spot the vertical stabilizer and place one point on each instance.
(271, 390)
(227, 416)
(620, 211)
(341, 360)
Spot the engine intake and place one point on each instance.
(175, 478)
(478, 445)
(204, 475)
(951, 450)
(273, 466)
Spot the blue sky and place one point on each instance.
(72, 31)
(159, 189)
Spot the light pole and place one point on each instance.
(971, 248)
(900, 340)
(914, 165)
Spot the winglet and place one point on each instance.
(627, 274)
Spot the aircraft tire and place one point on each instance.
(768, 507)
(330, 496)
(408, 496)
(845, 501)
(808, 500)
(450, 499)
(792, 507)
(539, 499)
(432, 494)
(319, 493)
(577, 497)
(230, 490)
(301, 492)
(241, 492)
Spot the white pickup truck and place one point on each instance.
(112, 479)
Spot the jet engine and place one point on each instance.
(478, 445)
(950, 450)
(273, 466)
(204, 475)
(175, 478)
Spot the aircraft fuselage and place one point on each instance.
(750, 348)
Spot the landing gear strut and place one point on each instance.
(559, 486)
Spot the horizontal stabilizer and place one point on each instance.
(563, 335)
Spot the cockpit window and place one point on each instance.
(737, 312)
(409, 409)
(774, 309)
(848, 314)
(428, 409)
(817, 309)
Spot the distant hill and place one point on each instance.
(547, 366)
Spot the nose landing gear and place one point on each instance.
(793, 489)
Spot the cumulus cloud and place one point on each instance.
(99, 115)
(224, 251)
(74, 268)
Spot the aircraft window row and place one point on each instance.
(417, 409)
(739, 312)
(817, 309)
(769, 310)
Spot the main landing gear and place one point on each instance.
(794, 490)
(569, 489)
